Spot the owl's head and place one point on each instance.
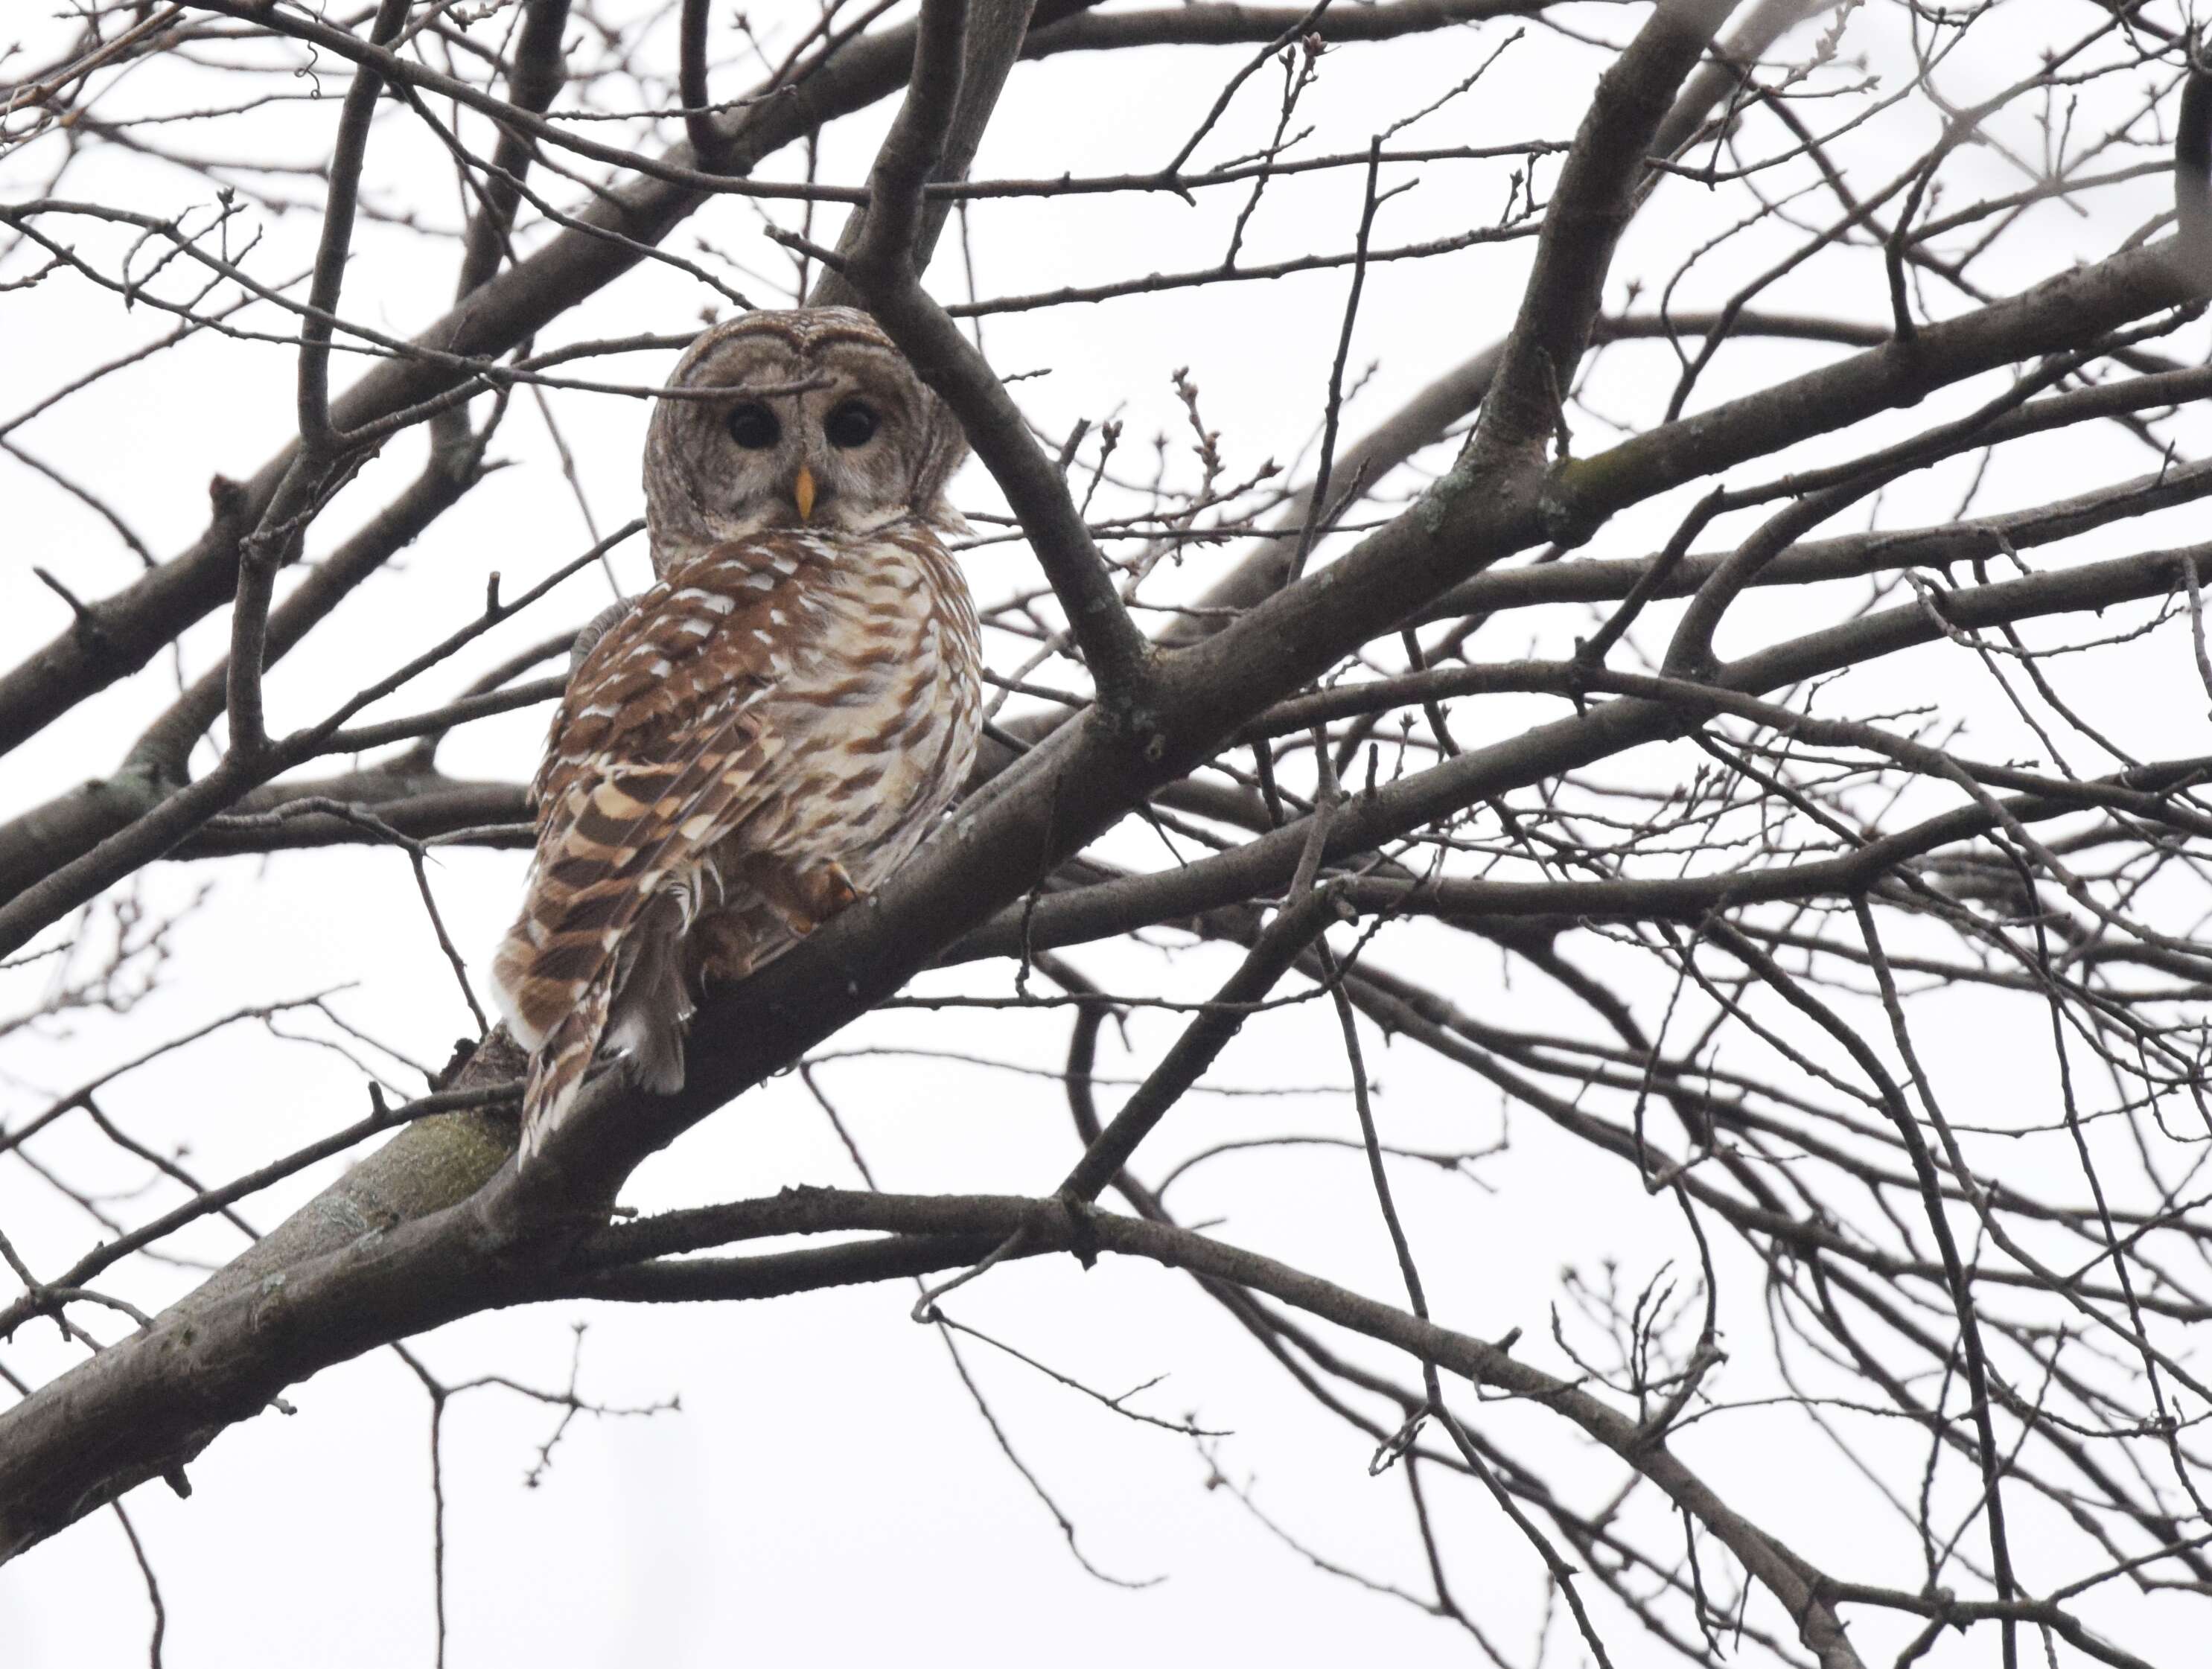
(806, 418)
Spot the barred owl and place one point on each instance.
(775, 724)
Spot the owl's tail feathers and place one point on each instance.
(555, 986)
(652, 1001)
(577, 974)
(558, 1064)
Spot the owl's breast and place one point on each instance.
(878, 709)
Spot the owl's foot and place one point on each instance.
(805, 898)
(838, 893)
(722, 948)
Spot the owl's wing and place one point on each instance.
(657, 752)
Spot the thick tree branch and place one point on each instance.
(992, 42)
(1590, 206)
(882, 269)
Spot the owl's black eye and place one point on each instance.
(753, 427)
(850, 425)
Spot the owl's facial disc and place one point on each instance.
(805, 419)
(814, 442)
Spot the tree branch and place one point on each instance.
(1592, 204)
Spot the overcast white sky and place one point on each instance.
(827, 1493)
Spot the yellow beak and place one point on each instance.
(802, 493)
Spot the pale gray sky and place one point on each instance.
(828, 1494)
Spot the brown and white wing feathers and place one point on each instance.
(655, 755)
